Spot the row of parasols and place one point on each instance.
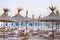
(52, 17)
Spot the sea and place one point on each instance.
(30, 25)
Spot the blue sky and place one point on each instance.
(36, 7)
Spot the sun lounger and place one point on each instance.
(34, 32)
(4, 33)
(47, 34)
(14, 38)
(57, 36)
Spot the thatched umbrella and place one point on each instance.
(5, 18)
(27, 20)
(53, 17)
(18, 16)
(30, 20)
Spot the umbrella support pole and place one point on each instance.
(26, 26)
(4, 32)
(52, 31)
(33, 25)
(38, 24)
(52, 27)
(41, 26)
(21, 26)
(58, 30)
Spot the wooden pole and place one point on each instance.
(41, 25)
(38, 27)
(52, 27)
(21, 26)
(4, 32)
(52, 31)
(18, 25)
(33, 25)
(15, 24)
(33, 20)
(26, 27)
(58, 30)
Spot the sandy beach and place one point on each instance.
(30, 38)
(36, 37)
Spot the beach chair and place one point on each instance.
(13, 38)
(50, 36)
(26, 38)
(33, 32)
(42, 32)
(21, 34)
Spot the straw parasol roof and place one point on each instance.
(19, 17)
(29, 19)
(33, 19)
(52, 16)
(39, 18)
(5, 18)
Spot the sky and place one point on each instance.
(34, 7)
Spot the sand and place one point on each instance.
(37, 38)
(30, 38)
